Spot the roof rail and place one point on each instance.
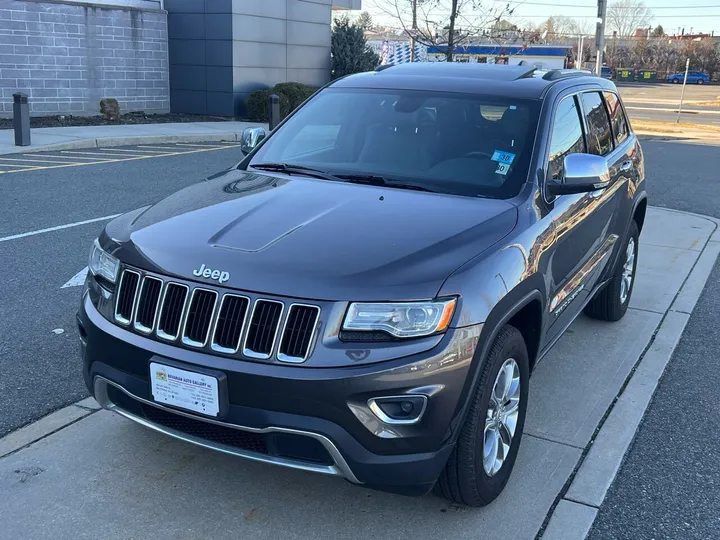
(555, 74)
(383, 67)
(528, 73)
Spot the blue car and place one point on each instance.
(693, 77)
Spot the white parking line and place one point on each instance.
(77, 280)
(58, 228)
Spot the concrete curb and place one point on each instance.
(44, 427)
(108, 142)
(575, 513)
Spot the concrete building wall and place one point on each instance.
(68, 55)
(222, 50)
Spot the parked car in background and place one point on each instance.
(693, 77)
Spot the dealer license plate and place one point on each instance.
(184, 389)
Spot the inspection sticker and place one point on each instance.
(503, 157)
(502, 168)
(185, 389)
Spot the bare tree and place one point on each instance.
(626, 16)
(445, 24)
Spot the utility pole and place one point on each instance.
(414, 28)
(600, 35)
(682, 95)
(579, 54)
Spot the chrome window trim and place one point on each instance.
(340, 468)
(377, 411)
(119, 318)
(298, 359)
(138, 326)
(259, 356)
(225, 350)
(160, 333)
(186, 340)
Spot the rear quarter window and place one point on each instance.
(599, 136)
(617, 117)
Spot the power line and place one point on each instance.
(615, 7)
(704, 15)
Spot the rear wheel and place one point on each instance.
(611, 302)
(483, 458)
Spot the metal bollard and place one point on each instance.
(21, 119)
(274, 111)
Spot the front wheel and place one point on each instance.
(700, 81)
(611, 302)
(675, 81)
(481, 462)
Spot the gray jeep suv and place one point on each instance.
(366, 293)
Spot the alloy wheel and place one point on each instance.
(502, 416)
(628, 269)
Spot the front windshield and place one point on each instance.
(461, 144)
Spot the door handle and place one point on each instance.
(626, 166)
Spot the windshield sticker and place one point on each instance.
(502, 168)
(503, 157)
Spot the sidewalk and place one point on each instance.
(67, 138)
(83, 473)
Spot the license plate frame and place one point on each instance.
(188, 388)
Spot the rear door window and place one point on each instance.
(617, 117)
(566, 137)
(599, 136)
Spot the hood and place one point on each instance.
(312, 239)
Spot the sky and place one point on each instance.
(698, 15)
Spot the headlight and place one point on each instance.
(103, 264)
(403, 320)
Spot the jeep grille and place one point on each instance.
(200, 317)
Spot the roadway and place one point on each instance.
(660, 102)
(668, 486)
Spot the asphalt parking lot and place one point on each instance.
(41, 373)
(39, 362)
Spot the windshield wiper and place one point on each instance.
(375, 180)
(296, 169)
(369, 179)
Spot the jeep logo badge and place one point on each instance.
(203, 271)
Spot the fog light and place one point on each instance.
(407, 409)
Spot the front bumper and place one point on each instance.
(313, 419)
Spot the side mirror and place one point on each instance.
(582, 173)
(251, 137)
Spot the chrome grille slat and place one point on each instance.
(148, 303)
(199, 317)
(125, 302)
(172, 307)
(298, 333)
(230, 323)
(263, 329)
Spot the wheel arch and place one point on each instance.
(520, 306)
(640, 212)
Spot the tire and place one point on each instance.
(675, 81)
(700, 81)
(464, 480)
(611, 302)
